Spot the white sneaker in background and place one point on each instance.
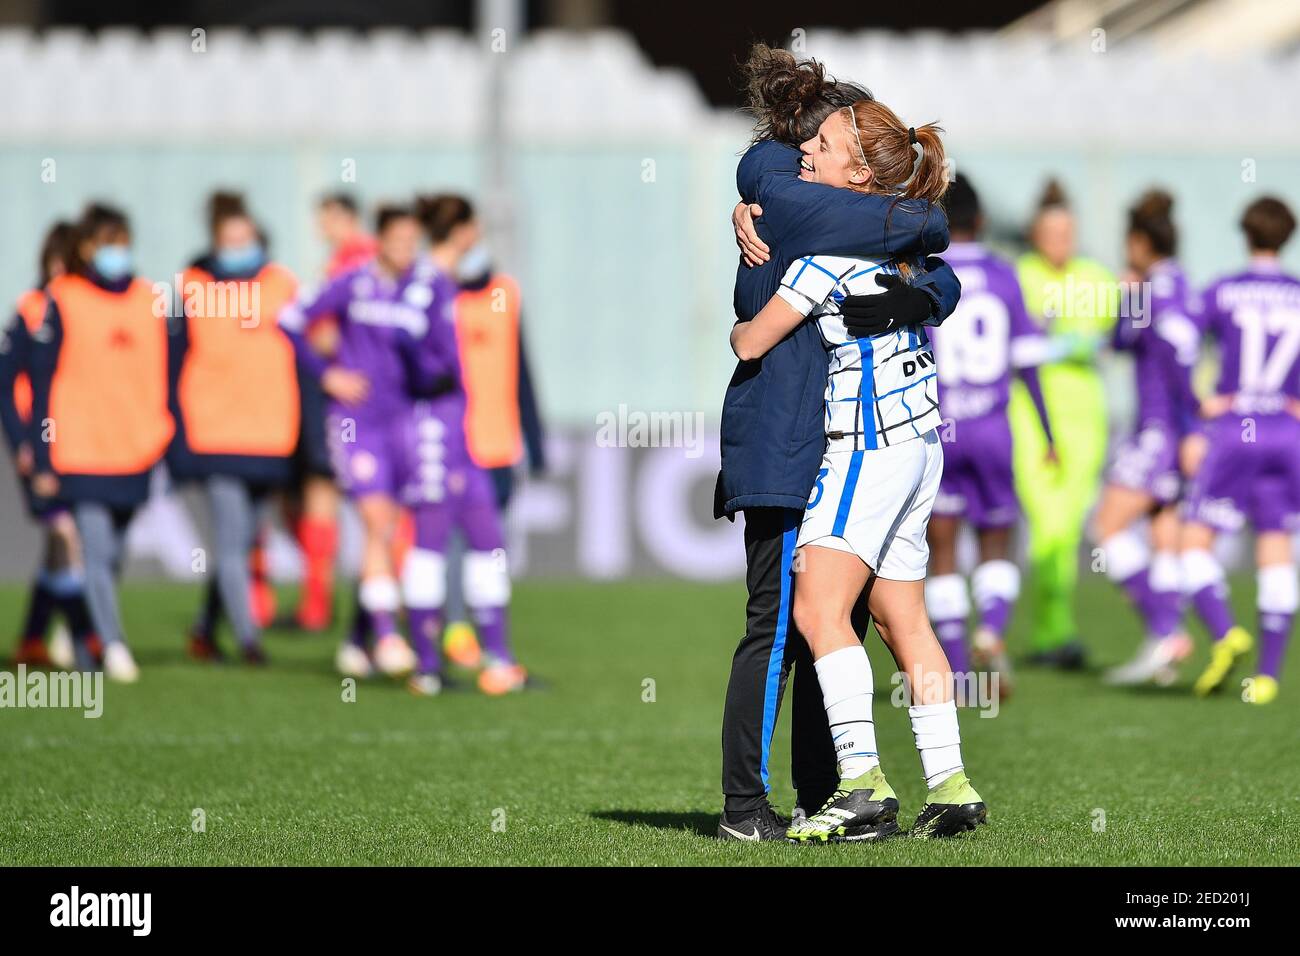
(393, 656)
(424, 685)
(1156, 660)
(62, 654)
(353, 661)
(119, 665)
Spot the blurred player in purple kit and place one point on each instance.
(988, 338)
(465, 498)
(1160, 327)
(1251, 470)
(381, 309)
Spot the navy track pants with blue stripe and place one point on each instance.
(771, 649)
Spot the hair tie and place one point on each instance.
(911, 136)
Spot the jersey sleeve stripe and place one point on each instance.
(865, 272)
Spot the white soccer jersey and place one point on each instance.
(880, 390)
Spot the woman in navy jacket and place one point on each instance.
(770, 479)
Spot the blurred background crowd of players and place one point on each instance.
(599, 145)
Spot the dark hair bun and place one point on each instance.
(441, 213)
(1152, 216)
(778, 89)
(1053, 196)
(1154, 204)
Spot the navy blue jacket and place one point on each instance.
(15, 357)
(773, 432)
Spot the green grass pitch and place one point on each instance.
(587, 772)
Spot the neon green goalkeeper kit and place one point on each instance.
(1076, 306)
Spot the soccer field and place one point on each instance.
(586, 772)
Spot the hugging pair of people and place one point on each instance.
(830, 449)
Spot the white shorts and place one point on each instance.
(876, 504)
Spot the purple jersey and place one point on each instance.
(1164, 335)
(433, 358)
(433, 364)
(409, 437)
(988, 336)
(376, 315)
(1255, 318)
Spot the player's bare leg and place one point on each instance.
(1120, 508)
(863, 806)
(379, 590)
(945, 591)
(952, 806)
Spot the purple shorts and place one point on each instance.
(978, 484)
(1148, 461)
(371, 456)
(419, 460)
(1251, 474)
(470, 507)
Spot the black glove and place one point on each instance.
(899, 305)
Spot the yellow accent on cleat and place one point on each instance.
(1224, 655)
(460, 644)
(1261, 689)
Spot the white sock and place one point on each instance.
(847, 688)
(1126, 554)
(938, 740)
(380, 594)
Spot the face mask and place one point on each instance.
(240, 260)
(112, 262)
(474, 264)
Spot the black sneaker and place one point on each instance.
(253, 655)
(1069, 656)
(763, 823)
